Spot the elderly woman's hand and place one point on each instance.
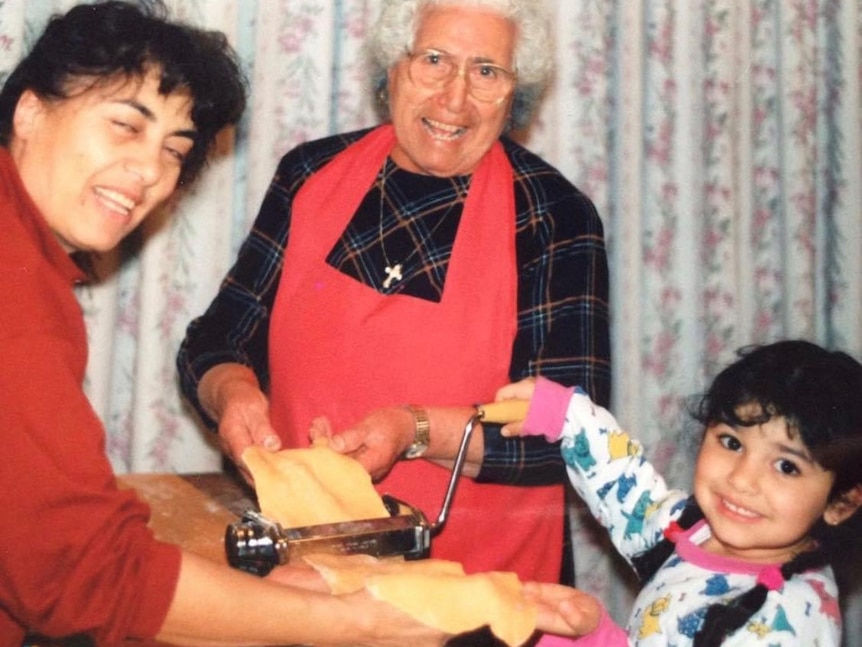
(231, 395)
(377, 441)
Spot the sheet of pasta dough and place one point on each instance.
(304, 487)
(348, 573)
(313, 485)
(461, 603)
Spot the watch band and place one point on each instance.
(421, 433)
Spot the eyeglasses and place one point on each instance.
(486, 82)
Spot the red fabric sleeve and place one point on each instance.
(76, 555)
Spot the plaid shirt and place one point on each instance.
(562, 285)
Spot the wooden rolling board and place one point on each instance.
(182, 514)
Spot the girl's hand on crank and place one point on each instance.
(521, 390)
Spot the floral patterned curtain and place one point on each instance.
(720, 139)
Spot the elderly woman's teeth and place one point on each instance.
(442, 131)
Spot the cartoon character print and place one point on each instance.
(624, 484)
(616, 460)
(779, 623)
(716, 585)
(759, 629)
(578, 452)
(689, 624)
(828, 603)
(650, 623)
(635, 520)
(604, 490)
(620, 444)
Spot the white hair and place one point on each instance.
(395, 32)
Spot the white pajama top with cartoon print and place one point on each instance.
(628, 497)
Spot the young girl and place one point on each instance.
(745, 560)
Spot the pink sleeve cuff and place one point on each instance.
(550, 640)
(607, 634)
(547, 412)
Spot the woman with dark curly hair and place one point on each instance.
(112, 109)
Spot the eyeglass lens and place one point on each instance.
(485, 81)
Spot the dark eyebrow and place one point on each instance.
(150, 116)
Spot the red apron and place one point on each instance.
(341, 349)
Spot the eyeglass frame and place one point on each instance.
(461, 71)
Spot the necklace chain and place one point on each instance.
(394, 270)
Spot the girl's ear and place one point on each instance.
(843, 507)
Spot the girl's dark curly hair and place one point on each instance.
(817, 392)
(106, 41)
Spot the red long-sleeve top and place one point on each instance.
(76, 556)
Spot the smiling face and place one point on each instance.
(444, 131)
(97, 163)
(760, 490)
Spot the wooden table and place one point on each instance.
(191, 511)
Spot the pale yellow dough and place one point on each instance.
(348, 573)
(461, 603)
(315, 485)
(306, 487)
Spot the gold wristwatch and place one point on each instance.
(422, 432)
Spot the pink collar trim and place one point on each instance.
(688, 547)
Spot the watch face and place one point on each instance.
(415, 450)
(421, 433)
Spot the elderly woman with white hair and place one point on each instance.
(397, 276)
